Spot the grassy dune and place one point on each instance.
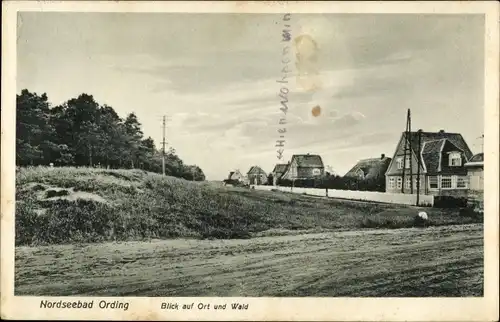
(81, 205)
(437, 261)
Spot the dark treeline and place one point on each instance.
(80, 132)
(338, 183)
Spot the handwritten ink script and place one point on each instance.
(283, 92)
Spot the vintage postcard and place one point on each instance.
(237, 161)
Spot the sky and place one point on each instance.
(215, 78)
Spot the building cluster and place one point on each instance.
(430, 163)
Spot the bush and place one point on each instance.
(450, 202)
(56, 193)
(471, 213)
(337, 183)
(26, 222)
(73, 221)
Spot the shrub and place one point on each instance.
(56, 193)
(450, 202)
(26, 222)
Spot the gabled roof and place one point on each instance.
(431, 153)
(455, 138)
(256, 170)
(432, 144)
(308, 160)
(280, 168)
(371, 167)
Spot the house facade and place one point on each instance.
(235, 175)
(256, 176)
(442, 157)
(475, 175)
(304, 166)
(278, 171)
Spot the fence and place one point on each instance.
(394, 198)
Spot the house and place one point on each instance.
(235, 175)
(256, 175)
(475, 175)
(441, 156)
(304, 166)
(278, 171)
(367, 169)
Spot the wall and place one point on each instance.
(423, 184)
(308, 172)
(398, 198)
(393, 167)
(476, 179)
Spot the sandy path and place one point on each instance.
(437, 261)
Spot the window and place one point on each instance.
(407, 183)
(433, 183)
(400, 162)
(391, 183)
(415, 183)
(407, 162)
(462, 182)
(446, 183)
(399, 182)
(455, 159)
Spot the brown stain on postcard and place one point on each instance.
(316, 111)
(307, 50)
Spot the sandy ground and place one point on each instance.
(436, 261)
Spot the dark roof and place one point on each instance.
(308, 160)
(477, 158)
(370, 167)
(455, 138)
(280, 168)
(256, 170)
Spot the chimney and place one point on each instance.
(382, 156)
(441, 131)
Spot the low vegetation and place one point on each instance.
(68, 205)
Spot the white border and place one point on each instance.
(311, 309)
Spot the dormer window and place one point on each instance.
(455, 159)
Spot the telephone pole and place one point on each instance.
(407, 136)
(163, 144)
(419, 164)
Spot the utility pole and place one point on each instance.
(407, 141)
(419, 155)
(411, 151)
(163, 144)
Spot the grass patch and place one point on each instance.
(136, 205)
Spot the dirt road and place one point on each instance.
(437, 261)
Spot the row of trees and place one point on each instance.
(80, 132)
